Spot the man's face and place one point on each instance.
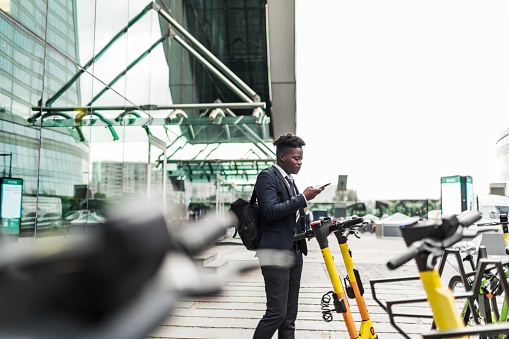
(291, 160)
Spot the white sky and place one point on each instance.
(396, 94)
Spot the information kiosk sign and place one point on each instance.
(457, 194)
(11, 193)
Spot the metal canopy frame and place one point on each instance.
(211, 170)
(254, 128)
(249, 97)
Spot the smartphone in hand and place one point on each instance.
(321, 186)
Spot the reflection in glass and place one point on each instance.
(66, 54)
(5, 5)
(50, 162)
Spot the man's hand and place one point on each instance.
(310, 193)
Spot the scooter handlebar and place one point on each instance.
(462, 232)
(308, 234)
(352, 222)
(405, 257)
(469, 219)
(299, 236)
(336, 226)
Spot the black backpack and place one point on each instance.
(249, 219)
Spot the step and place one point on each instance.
(204, 258)
(215, 266)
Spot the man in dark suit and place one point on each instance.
(283, 215)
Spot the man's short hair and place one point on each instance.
(286, 141)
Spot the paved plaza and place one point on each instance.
(235, 312)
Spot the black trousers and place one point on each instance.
(282, 291)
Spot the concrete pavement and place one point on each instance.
(235, 312)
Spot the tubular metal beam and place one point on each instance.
(250, 130)
(268, 49)
(96, 57)
(206, 52)
(103, 119)
(78, 129)
(263, 151)
(211, 68)
(235, 105)
(124, 72)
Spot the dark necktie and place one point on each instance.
(292, 186)
(293, 193)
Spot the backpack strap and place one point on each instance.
(253, 196)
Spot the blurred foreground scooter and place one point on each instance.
(118, 282)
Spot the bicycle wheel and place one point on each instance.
(481, 307)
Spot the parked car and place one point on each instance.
(491, 206)
(45, 222)
(72, 215)
(49, 214)
(49, 221)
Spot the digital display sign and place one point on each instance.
(457, 194)
(469, 203)
(11, 194)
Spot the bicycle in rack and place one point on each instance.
(426, 242)
(321, 230)
(488, 306)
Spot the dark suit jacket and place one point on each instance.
(278, 207)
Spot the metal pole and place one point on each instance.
(206, 52)
(268, 50)
(149, 177)
(211, 68)
(165, 181)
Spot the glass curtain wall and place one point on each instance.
(76, 164)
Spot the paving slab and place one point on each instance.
(235, 312)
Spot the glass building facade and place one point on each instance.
(38, 52)
(59, 56)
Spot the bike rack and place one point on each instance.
(479, 329)
(372, 282)
(482, 254)
(388, 308)
(464, 278)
